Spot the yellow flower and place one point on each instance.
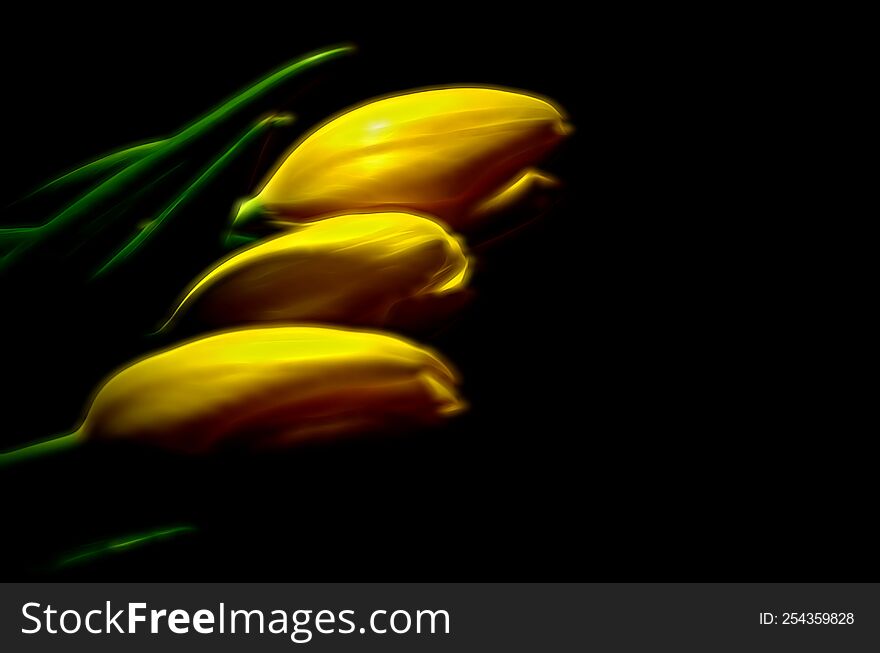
(348, 269)
(444, 152)
(269, 387)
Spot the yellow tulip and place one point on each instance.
(444, 152)
(269, 387)
(349, 269)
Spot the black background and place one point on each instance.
(648, 397)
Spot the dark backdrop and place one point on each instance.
(643, 399)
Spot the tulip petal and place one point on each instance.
(350, 269)
(439, 152)
(273, 386)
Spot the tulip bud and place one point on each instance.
(272, 387)
(444, 152)
(349, 269)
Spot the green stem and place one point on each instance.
(192, 190)
(94, 168)
(10, 237)
(119, 544)
(247, 96)
(234, 240)
(249, 210)
(48, 447)
(120, 184)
